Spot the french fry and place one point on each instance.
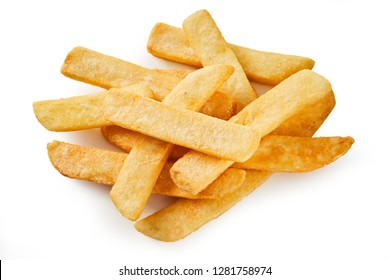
(296, 154)
(108, 72)
(195, 171)
(102, 166)
(78, 112)
(181, 127)
(133, 188)
(184, 216)
(206, 39)
(169, 42)
(74, 113)
(220, 108)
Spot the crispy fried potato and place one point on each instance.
(74, 113)
(296, 154)
(133, 188)
(102, 166)
(138, 175)
(125, 139)
(195, 171)
(205, 38)
(109, 72)
(78, 112)
(181, 127)
(184, 216)
(169, 42)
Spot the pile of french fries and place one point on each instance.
(202, 135)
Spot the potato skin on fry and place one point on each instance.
(307, 122)
(102, 166)
(296, 154)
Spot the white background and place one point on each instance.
(332, 223)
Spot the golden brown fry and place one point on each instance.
(169, 42)
(205, 38)
(85, 163)
(102, 166)
(184, 216)
(220, 108)
(296, 154)
(181, 127)
(74, 113)
(195, 171)
(132, 187)
(78, 112)
(109, 72)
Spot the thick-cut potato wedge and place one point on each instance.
(126, 139)
(73, 113)
(296, 154)
(105, 71)
(102, 166)
(181, 127)
(195, 171)
(78, 112)
(138, 175)
(169, 42)
(108, 72)
(132, 187)
(206, 39)
(184, 216)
